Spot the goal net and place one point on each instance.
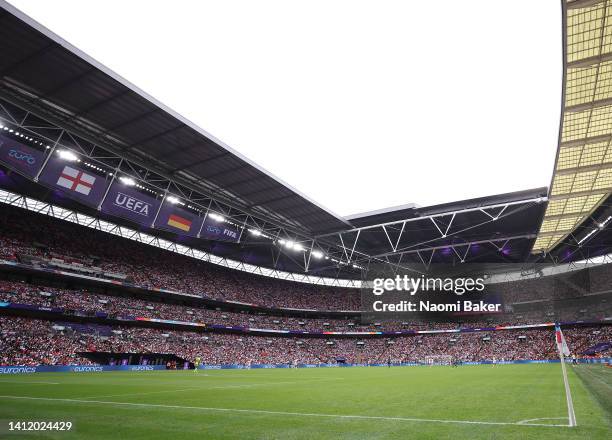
(439, 359)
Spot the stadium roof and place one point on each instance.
(45, 76)
(500, 228)
(46, 73)
(582, 179)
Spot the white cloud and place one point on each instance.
(359, 105)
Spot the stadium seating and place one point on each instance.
(33, 342)
(43, 242)
(48, 242)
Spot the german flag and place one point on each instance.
(179, 222)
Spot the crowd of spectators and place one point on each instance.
(85, 302)
(33, 342)
(43, 240)
(50, 241)
(580, 339)
(562, 286)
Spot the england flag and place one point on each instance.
(76, 180)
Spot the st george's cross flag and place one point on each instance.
(76, 180)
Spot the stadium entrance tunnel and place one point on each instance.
(172, 361)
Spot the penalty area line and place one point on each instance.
(284, 413)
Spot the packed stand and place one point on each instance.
(86, 303)
(33, 342)
(45, 241)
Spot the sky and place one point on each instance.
(359, 105)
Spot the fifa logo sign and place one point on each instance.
(230, 234)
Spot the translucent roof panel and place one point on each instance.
(583, 175)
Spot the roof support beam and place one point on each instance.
(247, 180)
(588, 105)
(99, 104)
(589, 61)
(27, 58)
(557, 232)
(200, 162)
(275, 199)
(598, 167)
(586, 141)
(155, 136)
(598, 191)
(221, 173)
(458, 245)
(131, 121)
(65, 84)
(578, 4)
(569, 215)
(446, 214)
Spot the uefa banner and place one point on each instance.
(20, 157)
(78, 182)
(178, 220)
(220, 231)
(130, 203)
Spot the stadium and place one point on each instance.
(156, 283)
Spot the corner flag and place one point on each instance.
(561, 344)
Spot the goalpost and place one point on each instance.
(438, 359)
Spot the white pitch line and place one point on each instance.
(285, 413)
(29, 382)
(523, 422)
(571, 415)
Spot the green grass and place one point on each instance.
(598, 380)
(203, 405)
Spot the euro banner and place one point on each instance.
(78, 182)
(175, 219)
(220, 231)
(20, 157)
(130, 203)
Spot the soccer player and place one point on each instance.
(196, 364)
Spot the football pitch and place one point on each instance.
(469, 402)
